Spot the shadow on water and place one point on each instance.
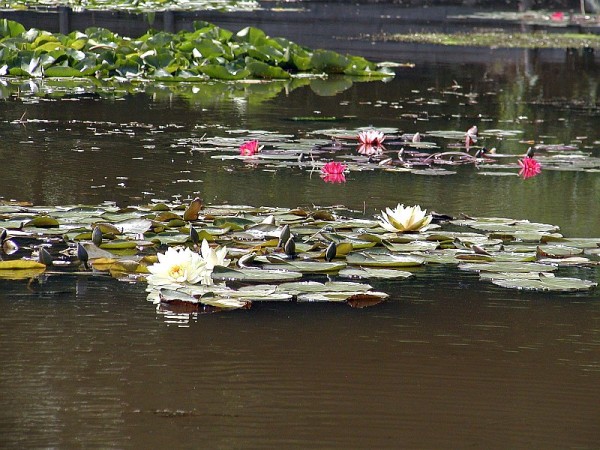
(448, 361)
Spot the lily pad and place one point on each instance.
(253, 275)
(507, 267)
(555, 284)
(369, 273)
(384, 260)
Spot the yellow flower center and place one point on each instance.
(176, 271)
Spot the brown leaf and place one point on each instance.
(363, 300)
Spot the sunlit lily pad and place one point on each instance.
(507, 267)
(254, 275)
(555, 284)
(384, 260)
(367, 273)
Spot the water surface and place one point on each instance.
(448, 361)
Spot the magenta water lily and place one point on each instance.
(529, 167)
(250, 148)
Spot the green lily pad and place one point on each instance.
(368, 273)
(309, 266)
(554, 284)
(253, 275)
(507, 267)
(384, 260)
(43, 222)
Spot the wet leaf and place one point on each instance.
(384, 260)
(369, 273)
(21, 264)
(43, 222)
(253, 275)
(507, 267)
(555, 284)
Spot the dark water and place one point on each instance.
(448, 362)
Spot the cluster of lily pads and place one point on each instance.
(207, 52)
(137, 5)
(206, 257)
(399, 153)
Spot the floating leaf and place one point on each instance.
(21, 264)
(310, 266)
(369, 273)
(507, 267)
(384, 260)
(555, 284)
(43, 222)
(253, 275)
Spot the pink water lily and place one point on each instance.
(250, 148)
(333, 168)
(371, 137)
(529, 167)
(333, 172)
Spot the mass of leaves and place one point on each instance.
(207, 52)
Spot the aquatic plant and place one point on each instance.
(206, 52)
(274, 249)
(250, 148)
(403, 219)
(178, 265)
(141, 6)
(371, 137)
(529, 167)
(334, 168)
(333, 172)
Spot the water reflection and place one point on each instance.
(114, 374)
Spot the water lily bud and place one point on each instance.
(194, 236)
(45, 257)
(9, 247)
(330, 252)
(82, 254)
(97, 236)
(284, 236)
(290, 247)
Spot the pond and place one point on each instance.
(448, 360)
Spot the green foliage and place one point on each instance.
(206, 52)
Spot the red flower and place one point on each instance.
(333, 172)
(529, 167)
(250, 148)
(557, 16)
(334, 177)
(333, 168)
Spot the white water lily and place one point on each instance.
(178, 265)
(402, 219)
(213, 258)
